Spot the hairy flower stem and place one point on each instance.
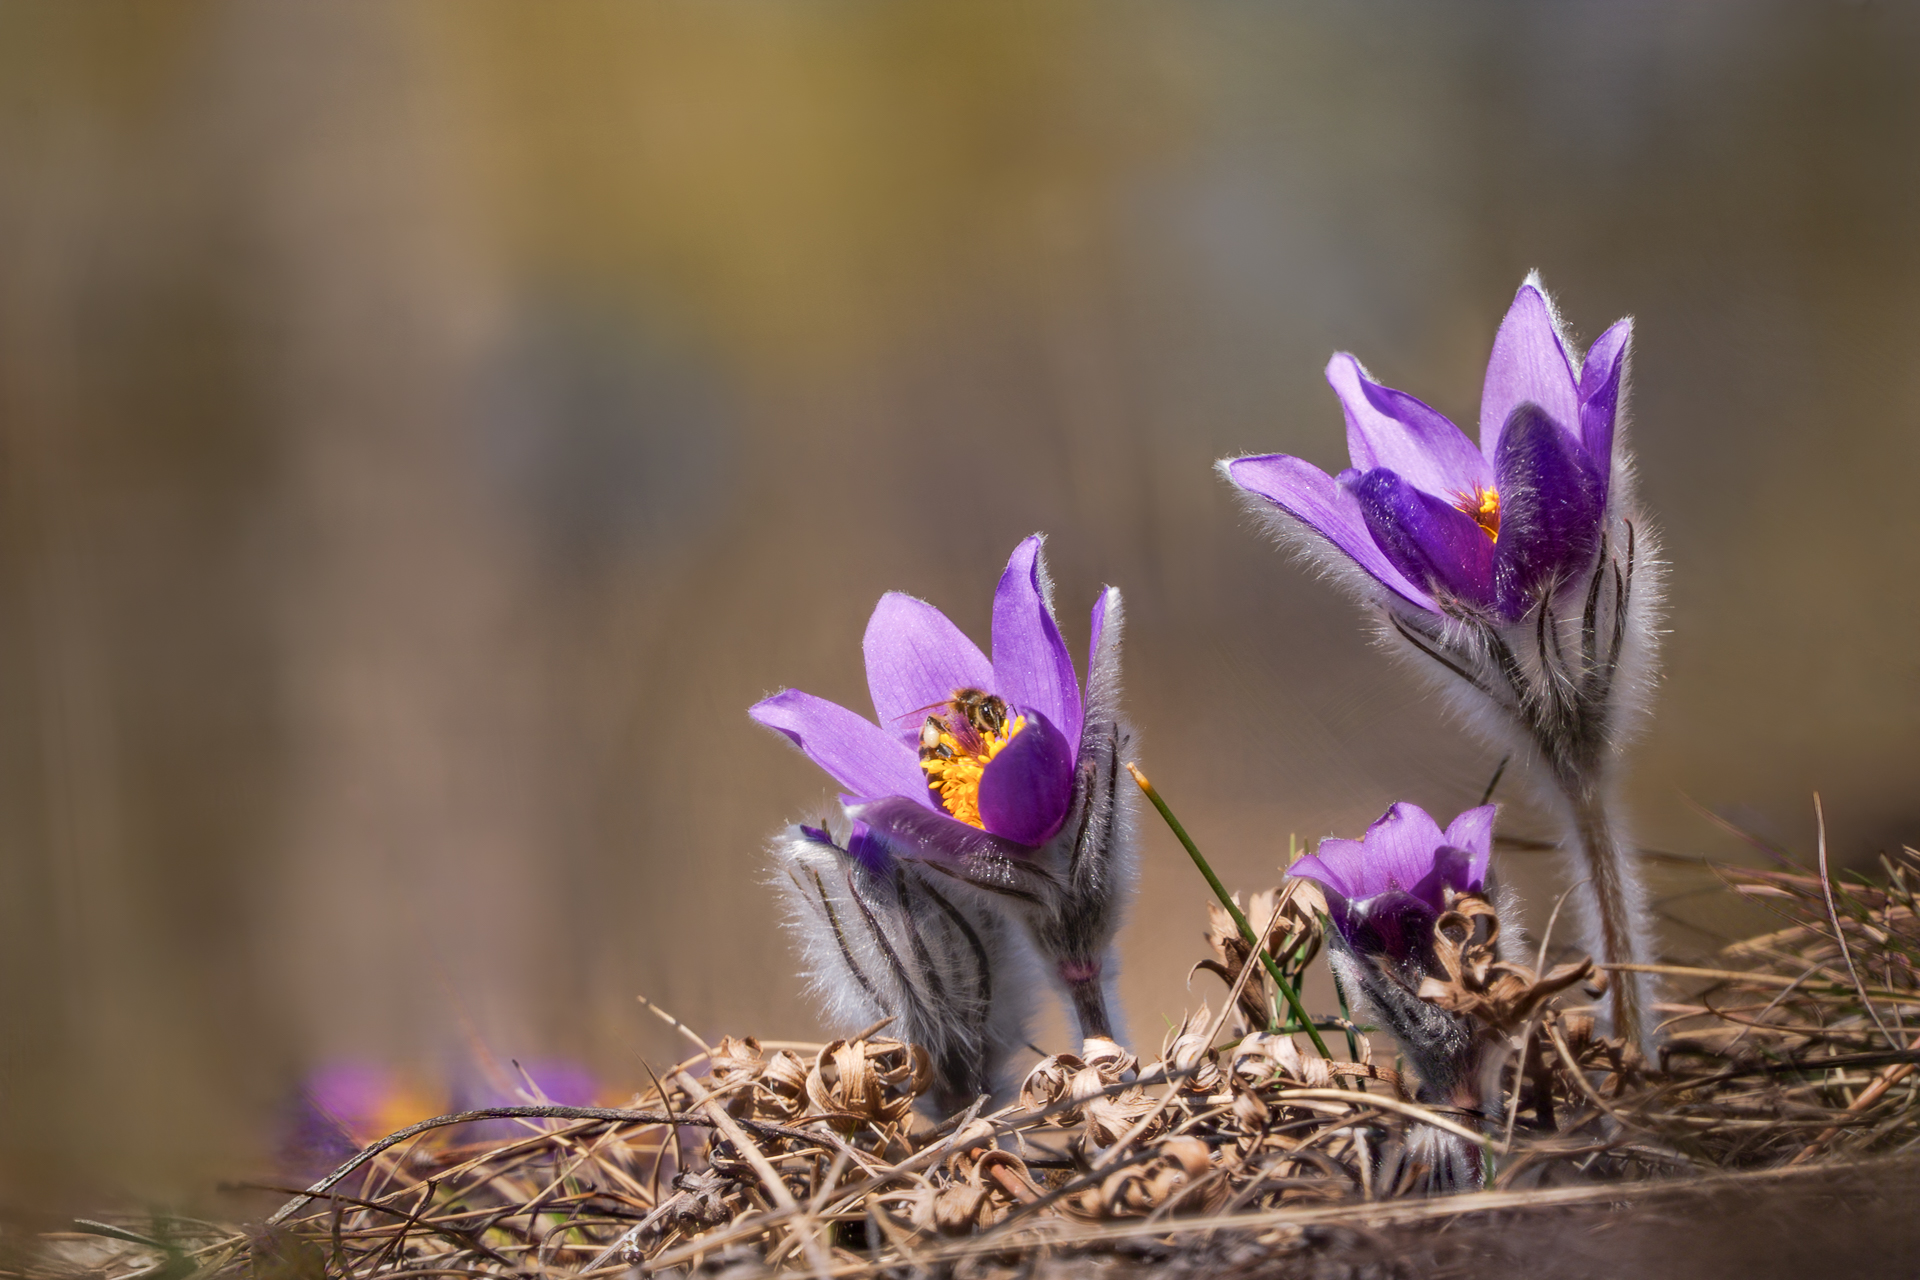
(1292, 997)
(1603, 859)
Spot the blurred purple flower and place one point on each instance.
(997, 773)
(1456, 529)
(1385, 890)
(341, 1107)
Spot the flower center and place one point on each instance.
(956, 748)
(1484, 506)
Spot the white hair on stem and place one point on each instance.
(888, 942)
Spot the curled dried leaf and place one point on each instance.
(1140, 1189)
(706, 1198)
(1047, 1084)
(1110, 1118)
(1107, 1057)
(781, 1092)
(1250, 1110)
(855, 1082)
(733, 1058)
(1189, 1053)
(1260, 1058)
(1288, 918)
(959, 1208)
(1476, 981)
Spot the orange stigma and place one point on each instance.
(1484, 506)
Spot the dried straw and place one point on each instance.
(1786, 1066)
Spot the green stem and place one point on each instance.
(1300, 1013)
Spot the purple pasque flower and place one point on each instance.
(985, 748)
(1458, 529)
(1385, 890)
(1519, 570)
(999, 773)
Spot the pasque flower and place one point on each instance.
(1457, 529)
(1385, 893)
(999, 774)
(1385, 890)
(1517, 569)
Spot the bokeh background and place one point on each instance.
(425, 428)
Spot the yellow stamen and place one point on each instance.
(1484, 506)
(954, 772)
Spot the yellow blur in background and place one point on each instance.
(426, 428)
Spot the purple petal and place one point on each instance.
(1473, 831)
(351, 1092)
(1391, 429)
(1428, 539)
(1339, 866)
(1600, 381)
(860, 757)
(1310, 496)
(1551, 501)
(911, 830)
(1452, 869)
(915, 659)
(1031, 665)
(1025, 790)
(1529, 365)
(1394, 924)
(1400, 847)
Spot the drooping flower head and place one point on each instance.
(999, 773)
(1385, 890)
(1451, 527)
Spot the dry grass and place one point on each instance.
(1787, 1071)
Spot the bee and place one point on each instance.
(971, 715)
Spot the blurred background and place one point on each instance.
(426, 428)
